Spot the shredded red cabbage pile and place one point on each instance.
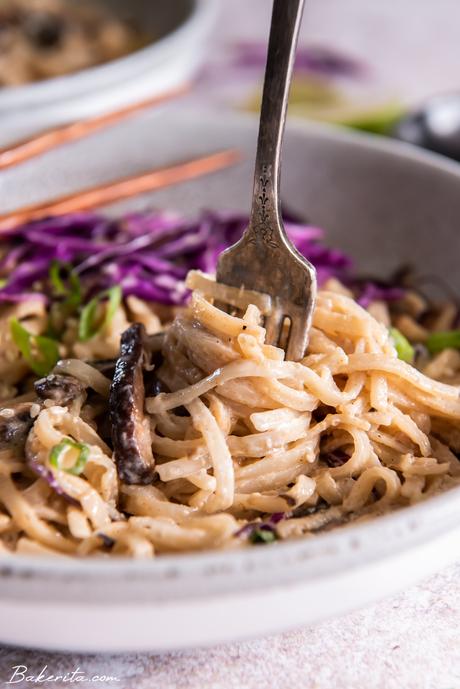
(314, 59)
(148, 254)
(374, 291)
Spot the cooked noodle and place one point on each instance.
(264, 448)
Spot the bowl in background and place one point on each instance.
(180, 29)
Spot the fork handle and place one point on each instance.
(266, 223)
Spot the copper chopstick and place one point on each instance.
(124, 188)
(21, 151)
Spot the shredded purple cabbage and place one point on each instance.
(47, 475)
(248, 529)
(107, 541)
(147, 254)
(318, 60)
(276, 517)
(373, 291)
(268, 525)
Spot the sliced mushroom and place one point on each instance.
(130, 429)
(15, 424)
(60, 389)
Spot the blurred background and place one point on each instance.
(404, 50)
(361, 63)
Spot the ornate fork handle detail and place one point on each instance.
(263, 227)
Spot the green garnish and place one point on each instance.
(65, 283)
(436, 342)
(378, 120)
(262, 536)
(41, 353)
(66, 287)
(89, 325)
(3, 282)
(315, 98)
(58, 453)
(403, 347)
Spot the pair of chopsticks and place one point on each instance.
(117, 190)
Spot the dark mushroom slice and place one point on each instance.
(15, 424)
(131, 439)
(62, 390)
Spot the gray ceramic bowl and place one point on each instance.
(385, 203)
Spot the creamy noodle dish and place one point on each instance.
(137, 418)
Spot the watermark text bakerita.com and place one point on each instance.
(21, 673)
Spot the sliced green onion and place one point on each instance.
(88, 326)
(262, 536)
(436, 342)
(47, 350)
(58, 452)
(403, 347)
(66, 287)
(55, 278)
(69, 287)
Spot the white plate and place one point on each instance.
(386, 203)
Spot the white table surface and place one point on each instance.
(410, 641)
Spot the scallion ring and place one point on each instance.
(59, 451)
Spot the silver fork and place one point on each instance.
(264, 259)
